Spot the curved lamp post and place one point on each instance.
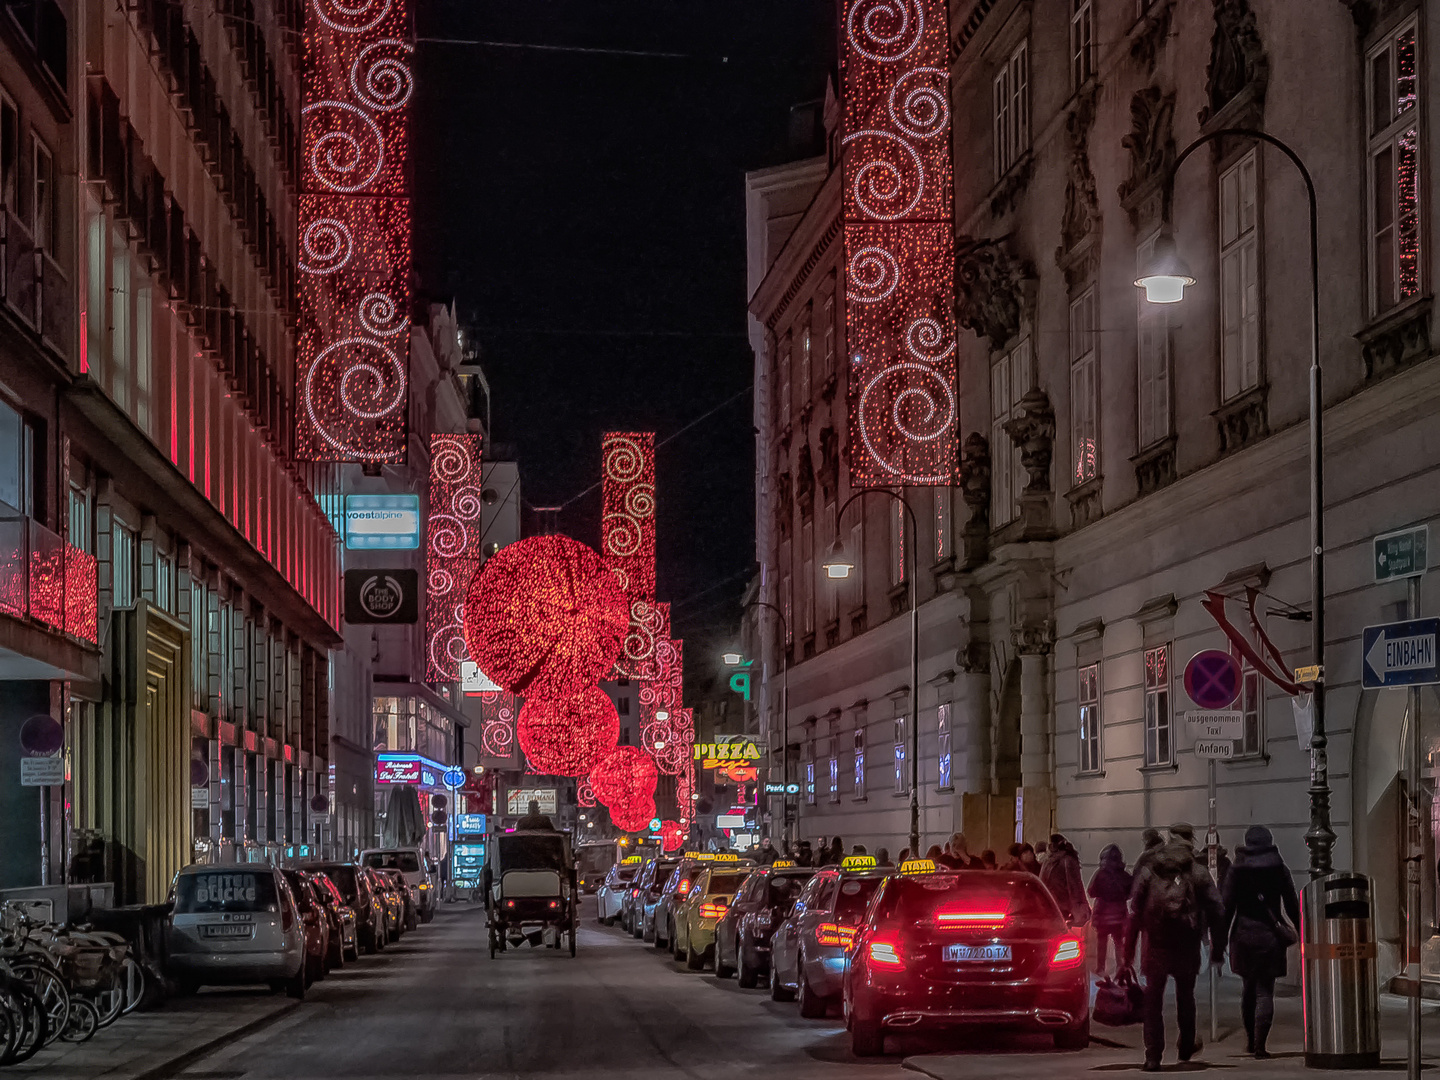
(1164, 279)
(784, 709)
(838, 564)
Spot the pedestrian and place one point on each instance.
(837, 851)
(1222, 867)
(957, 854)
(767, 854)
(807, 854)
(904, 854)
(882, 857)
(1110, 889)
(1060, 873)
(859, 849)
(1172, 904)
(1042, 852)
(1022, 858)
(1259, 894)
(987, 859)
(934, 854)
(1150, 841)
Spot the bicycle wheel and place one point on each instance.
(32, 1022)
(132, 982)
(109, 1005)
(50, 989)
(82, 1023)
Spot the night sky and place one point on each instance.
(586, 211)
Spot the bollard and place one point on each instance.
(1337, 957)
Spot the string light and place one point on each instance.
(497, 723)
(634, 818)
(627, 539)
(899, 243)
(352, 357)
(672, 835)
(567, 736)
(624, 781)
(452, 552)
(545, 617)
(585, 794)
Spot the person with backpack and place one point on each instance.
(1173, 903)
(1110, 889)
(1259, 893)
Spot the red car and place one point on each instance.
(946, 949)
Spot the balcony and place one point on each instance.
(34, 288)
(44, 578)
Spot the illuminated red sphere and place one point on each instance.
(623, 778)
(545, 618)
(672, 835)
(566, 737)
(635, 818)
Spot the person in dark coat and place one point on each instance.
(1150, 841)
(1022, 857)
(1110, 889)
(1259, 894)
(1173, 903)
(882, 857)
(1060, 873)
(534, 820)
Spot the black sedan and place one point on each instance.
(742, 940)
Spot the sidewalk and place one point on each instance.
(159, 1043)
(1121, 1049)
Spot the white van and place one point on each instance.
(414, 864)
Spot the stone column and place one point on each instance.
(1034, 645)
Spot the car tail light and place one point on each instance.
(509, 903)
(554, 903)
(885, 952)
(684, 888)
(829, 933)
(713, 911)
(634, 893)
(1069, 953)
(959, 917)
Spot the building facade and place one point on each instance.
(1120, 459)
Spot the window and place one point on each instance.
(828, 314)
(43, 205)
(165, 583)
(144, 355)
(122, 567)
(1012, 109)
(1089, 697)
(807, 577)
(834, 773)
(1082, 44)
(897, 543)
(622, 706)
(859, 763)
(1084, 388)
(1152, 325)
(942, 524)
(1010, 379)
(810, 783)
(80, 519)
(1239, 278)
(784, 374)
(9, 153)
(120, 322)
(805, 359)
(1394, 91)
(943, 745)
(902, 780)
(1159, 746)
(17, 461)
(1252, 703)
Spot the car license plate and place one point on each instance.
(227, 930)
(956, 954)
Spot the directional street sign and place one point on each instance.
(1400, 654)
(1402, 554)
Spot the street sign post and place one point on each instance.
(1400, 654)
(1402, 554)
(1213, 679)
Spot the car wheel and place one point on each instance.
(370, 943)
(1074, 1038)
(675, 949)
(296, 986)
(695, 960)
(778, 990)
(749, 977)
(722, 969)
(812, 1005)
(637, 928)
(867, 1037)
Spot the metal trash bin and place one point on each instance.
(1337, 954)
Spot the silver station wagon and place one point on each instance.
(236, 924)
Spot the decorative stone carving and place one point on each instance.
(829, 471)
(1033, 640)
(1082, 208)
(1033, 432)
(1244, 421)
(805, 486)
(975, 473)
(1155, 467)
(784, 503)
(1239, 70)
(1084, 503)
(973, 658)
(1396, 342)
(1151, 141)
(989, 289)
(1151, 34)
(1016, 182)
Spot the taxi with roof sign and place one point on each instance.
(944, 949)
(742, 940)
(677, 888)
(696, 917)
(645, 893)
(611, 893)
(807, 957)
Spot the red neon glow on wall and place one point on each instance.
(452, 552)
(899, 243)
(354, 265)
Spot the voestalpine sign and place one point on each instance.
(1400, 654)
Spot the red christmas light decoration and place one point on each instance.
(899, 243)
(634, 818)
(625, 780)
(497, 723)
(453, 551)
(627, 540)
(354, 228)
(567, 736)
(545, 617)
(584, 793)
(672, 835)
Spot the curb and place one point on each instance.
(167, 1069)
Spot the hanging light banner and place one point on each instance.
(452, 552)
(352, 366)
(627, 540)
(899, 243)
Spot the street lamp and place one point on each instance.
(732, 659)
(838, 566)
(784, 706)
(1164, 280)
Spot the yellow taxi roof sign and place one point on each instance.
(858, 862)
(781, 864)
(694, 854)
(917, 866)
(725, 856)
(629, 859)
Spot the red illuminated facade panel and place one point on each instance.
(498, 709)
(628, 541)
(452, 553)
(354, 265)
(899, 243)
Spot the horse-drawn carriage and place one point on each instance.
(531, 892)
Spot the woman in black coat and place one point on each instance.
(1110, 889)
(1259, 893)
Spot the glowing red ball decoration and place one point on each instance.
(566, 737)
(634, 818)
(672, 835)
(545, 617)
(624, 779)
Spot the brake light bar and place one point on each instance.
(684, 887)
(970, 917)
(712, 911)
(829, 933)
(1069, 953)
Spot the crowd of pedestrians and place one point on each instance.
(1165, 909)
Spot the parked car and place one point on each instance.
(677, 887)
(695, 919)
(592, 863)
(355, 886)
(317, 924)
(408, 894)
(611, 893)
(236, 925)
(650, 883)
(391, 903)
(943, 949)
(344, 936)
(742, 940)
(807, 952)
(416, 866)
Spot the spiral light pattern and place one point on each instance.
(628, 536)
(872, 275)
(885, 31)
(452, 552)
(921, 111)
(325, 246)
(379, 81)
(351, 18)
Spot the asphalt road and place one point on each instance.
(436, 1006)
